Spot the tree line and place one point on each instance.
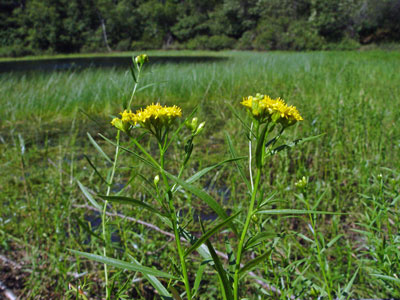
(70, 26)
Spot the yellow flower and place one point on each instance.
(264, 109)
(157, 116)
(154, 117)
(127, 116)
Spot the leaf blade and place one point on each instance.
(210, 233)
(123, 264)
(128, 200)
(89, 196)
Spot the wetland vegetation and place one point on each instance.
(350, 97)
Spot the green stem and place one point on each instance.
(103, 217)
(134, 88)
(174, 224)
(243, 236)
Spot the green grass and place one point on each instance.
(352, 97)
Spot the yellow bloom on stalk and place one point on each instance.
(264, 109)
(154, 117)
(157, 116)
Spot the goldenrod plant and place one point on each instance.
(267, 121)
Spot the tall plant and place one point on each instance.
(270, 118)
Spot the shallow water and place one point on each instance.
(60, 64)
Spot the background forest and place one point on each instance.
(71, 26)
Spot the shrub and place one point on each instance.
(216, 43)
(15, 51)
(123, 45)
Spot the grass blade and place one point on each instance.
(295, 212)
(386, 277)
(347, 289)
(123, 264)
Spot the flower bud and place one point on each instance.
(200, 128)
(141, 59)
(192, 125)
(120, 124)
(302, 183)
(156, 179)
(254, 218)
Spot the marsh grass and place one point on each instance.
(352, 97)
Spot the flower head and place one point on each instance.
(154, 117)
(264, 109)
(157, 116)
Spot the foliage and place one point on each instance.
(62, 26)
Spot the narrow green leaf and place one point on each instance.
(267, 200)
(214, 205)
(258, 239)
(208, 169)
(202, 250)
(175, 293)
(149, 163)
(209, 233)
(386, 277)
(89, 196)
(199, 276)
(238, 166)
(123, 264)
(98, 148)
(227, 288)
(100, 124)
(148, 85)
(350, 284)
(333, 241)
(260, 146)
(87, 229)
(131, 201)
(133, 74)
(295, 143)
(231, 259)
(295, 212)
(155, 283)
(253, 263)
(233, 110)
(95, 169)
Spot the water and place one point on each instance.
(60, 64)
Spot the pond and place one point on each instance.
(60, 64)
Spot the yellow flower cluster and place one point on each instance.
(153, 117)
(264, 109)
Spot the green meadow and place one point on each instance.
(351, 99)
